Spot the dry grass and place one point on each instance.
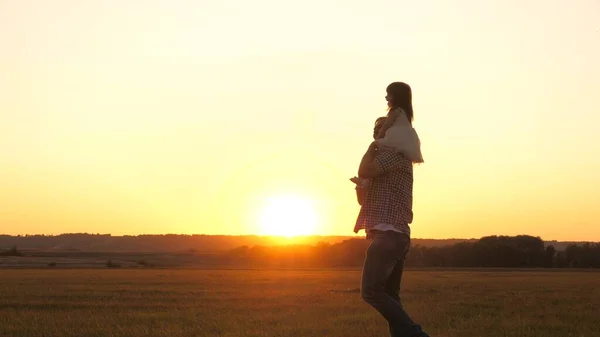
(177, 303)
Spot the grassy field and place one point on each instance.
(323, 303)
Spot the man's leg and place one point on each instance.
(392, 288)
(392, 285)
(381, 262)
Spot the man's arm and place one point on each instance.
(377, 162)
(368, 167)
(361, 192)
(362, 186)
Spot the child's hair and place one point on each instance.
(401, 98)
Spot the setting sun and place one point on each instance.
(288, 216)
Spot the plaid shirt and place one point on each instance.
(389, 197)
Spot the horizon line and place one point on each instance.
(281, 236)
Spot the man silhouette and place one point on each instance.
(385, 215)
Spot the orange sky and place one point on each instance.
(129, 117)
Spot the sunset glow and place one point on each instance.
(129, 117)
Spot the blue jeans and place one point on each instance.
(381, 277)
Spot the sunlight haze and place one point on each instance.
(130, 117)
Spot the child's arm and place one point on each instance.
(389, 121)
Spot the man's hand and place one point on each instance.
(356, 180)
(360, 182)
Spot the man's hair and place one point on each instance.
(382, 118)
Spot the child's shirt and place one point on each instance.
(402, 137)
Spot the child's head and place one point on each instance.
(399, 95)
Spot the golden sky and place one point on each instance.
(129, 117)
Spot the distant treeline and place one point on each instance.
(521, 251)
(84, 242)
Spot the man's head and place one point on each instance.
(378, 125)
